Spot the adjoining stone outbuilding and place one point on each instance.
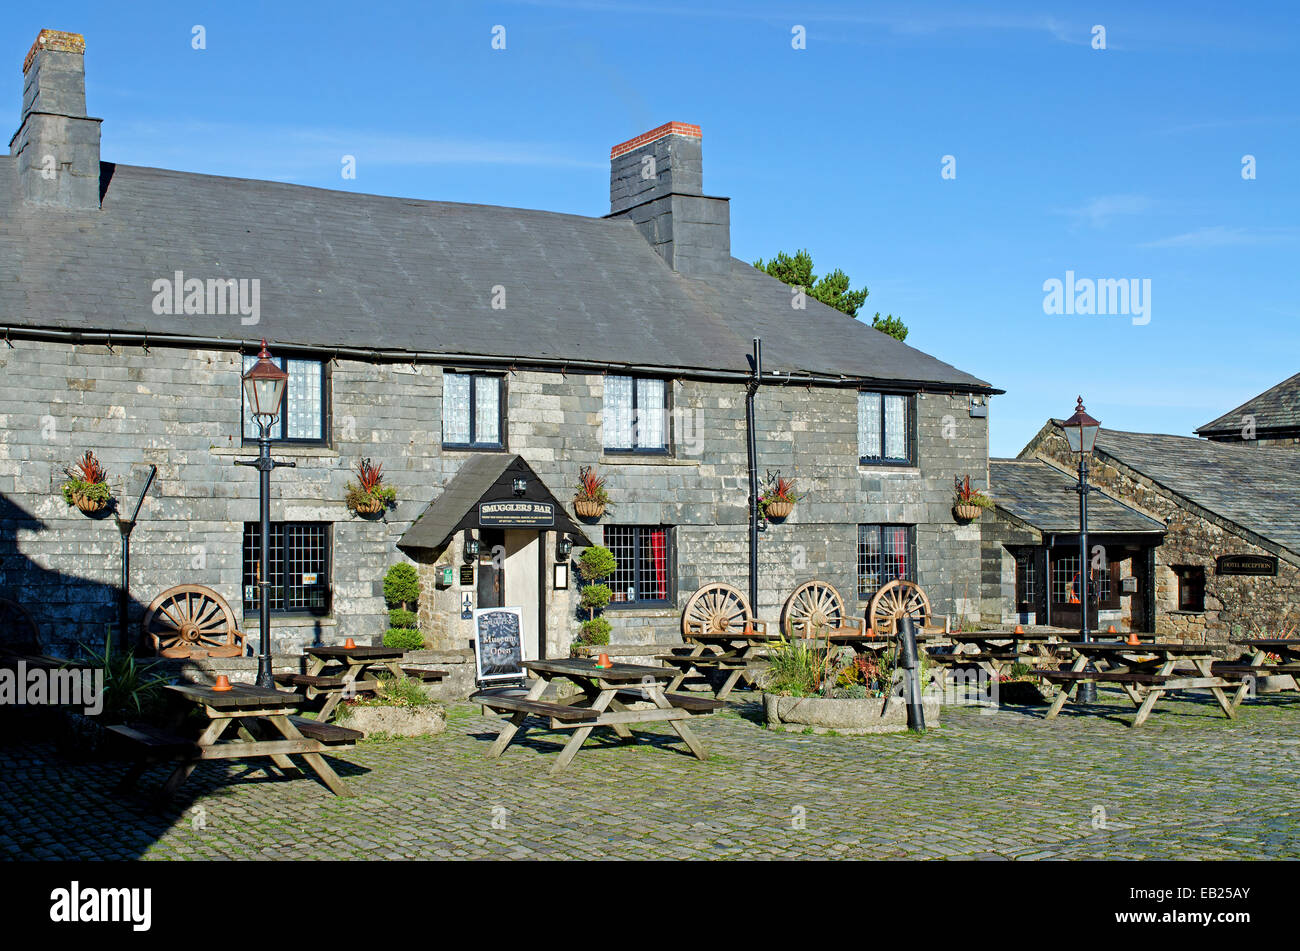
(1229, 561)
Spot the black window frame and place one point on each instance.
(637, 449)
(670, 568)
(500, 444)
(1190, 578)
(909, 424)
(250, 607)
(1028, 583)
(281, 424)
(879, 528)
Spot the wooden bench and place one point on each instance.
(308, 680)
(327, 733)
(1101, 676)
(703, 660)
(541, 708)
(984, 656)
(416, 673)
(153, 742)
(690, 703)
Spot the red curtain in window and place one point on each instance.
(659, 554)
(898, 551)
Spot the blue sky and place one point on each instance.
(1122, 163)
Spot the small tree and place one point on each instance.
(401, 585)
(594, 565)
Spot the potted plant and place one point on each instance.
(87, 485)
(595, 565)
(591, 498)
(968, 503)
(369, 495)
(402, 588)
(398, 706)
(823, 688)
(776, 497)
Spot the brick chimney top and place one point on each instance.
(668, 128)
(55, 40)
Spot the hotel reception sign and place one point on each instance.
(1245, 565)
(516, 513)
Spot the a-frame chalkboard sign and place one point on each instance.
(498, 645)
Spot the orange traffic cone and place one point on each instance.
(1018, 630)
(1132, 639)
(349, 643)
(1111, 630)
(222, 684)
(604, 661)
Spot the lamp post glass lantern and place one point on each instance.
(1081, 433)
(264, 385)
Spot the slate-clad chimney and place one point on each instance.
(57, 144)
(657, 180)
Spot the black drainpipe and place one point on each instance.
(750, 389)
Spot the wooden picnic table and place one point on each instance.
(602, 701)
(995, 651)
(353, 671)
(1259, 663)
(731, 652)
(257, 716)
(1145, 672)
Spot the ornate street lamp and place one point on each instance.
(1081, 433)
(264, 385)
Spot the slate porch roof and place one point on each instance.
(1276, 408)
(344, 270)
(454, 508)
(1045, 498)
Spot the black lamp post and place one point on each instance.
(264, 390)
(1081, 433)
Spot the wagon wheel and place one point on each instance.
(896, 599)
(190, 619)
(17, 626)
(716, 609)
(814, 602)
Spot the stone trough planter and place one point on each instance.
(396, 721)
(849, 717)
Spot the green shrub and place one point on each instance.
(401, 585)
(596, 596)
(403, 638)
(399, 617)
(595, 632)
(596, 563)
(131, 689)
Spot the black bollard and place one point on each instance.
(910, 661)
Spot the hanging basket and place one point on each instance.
(88, 505)
(967, 513)
(368, 506)
(778, 509)
(588, 508)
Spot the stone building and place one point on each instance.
(1222, 549)
(464, 347)
(1270, 419)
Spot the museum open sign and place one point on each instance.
(1245, 565)
(516, 513)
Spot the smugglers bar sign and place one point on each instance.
(1245, 565)
(516, 513)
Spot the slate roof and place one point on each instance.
(1045, 498)
(1256, 487)
(345, 270)
(1276, 408)
(455, 507)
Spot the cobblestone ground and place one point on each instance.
(1004, 785)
